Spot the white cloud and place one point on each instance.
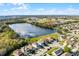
(23, 9)
(18, 10)
(68, 11)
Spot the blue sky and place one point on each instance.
(39, 9)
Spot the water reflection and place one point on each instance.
(28, 30)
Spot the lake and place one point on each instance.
(28, 30)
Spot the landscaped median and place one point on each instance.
(52, 50)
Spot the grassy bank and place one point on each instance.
(41, 38)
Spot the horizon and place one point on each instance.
(38, 15)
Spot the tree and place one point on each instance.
(67, 49)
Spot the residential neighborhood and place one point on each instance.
(40, 29)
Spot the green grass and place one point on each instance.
(41, 38)
(51, 50)
(67, 49)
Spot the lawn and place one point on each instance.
(51, 50)
(41, 38)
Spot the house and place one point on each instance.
(48, 40)
(32, 51)
(30, 46)
(74, 50)
(46, 54)
(39, 45)
(58, 52)
(66, 54)
(45, 43)
(34, 45)
(71, 54)
(18, 52)
(75, 53)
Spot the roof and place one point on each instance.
(58, 52)
(29, 46)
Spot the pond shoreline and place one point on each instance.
(25, 29)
